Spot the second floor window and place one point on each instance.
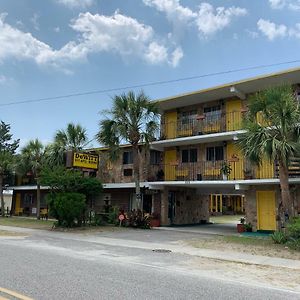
(213, 113)
(154, 157)
(127, 157)
(188, 117)
(214, 153)
(189, 155)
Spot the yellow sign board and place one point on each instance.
(84, 160)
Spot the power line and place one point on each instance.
(145, 84)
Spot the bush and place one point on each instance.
(137, 219)
(293, 228)
(113, 214)
(279, 237)
(67, 208)
(294, 244)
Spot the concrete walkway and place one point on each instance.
(175, 247)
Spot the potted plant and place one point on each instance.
(241, 226)
(225, 170)
(248, 227)
(155, 219)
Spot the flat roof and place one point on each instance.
(246, 86)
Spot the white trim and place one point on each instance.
(28, 187)
(196, 139)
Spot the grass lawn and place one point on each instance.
(26, 222)
(47, 225)
(252, 245)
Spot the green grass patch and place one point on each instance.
(26, 223)
(242, 240)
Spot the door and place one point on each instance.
(170, 164)
(236, 161)
(266, 218)
(233, 114)
(170, 124)
(171, 206)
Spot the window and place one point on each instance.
(188, 117)
(189, 155)
(28, 199)
(154, 157)
(214, 153)
(127, 157)
(212, 113)
(127, 172)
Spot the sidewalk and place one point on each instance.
(174, 247)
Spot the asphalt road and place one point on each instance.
(51, 265)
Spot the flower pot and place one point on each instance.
(240, 228)
(154, 223)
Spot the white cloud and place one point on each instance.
(280, 4)
(177, 55)
(76, 3)
(211, 20)
(207, 19)
(252, 34)
(117, 34)
(173, 9)
(35, 21)
(272, 30)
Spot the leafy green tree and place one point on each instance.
(32, 157)
(69, 192)
(132, 119)
(60, 179)
(7, 150)
(273, 132)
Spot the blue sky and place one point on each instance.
(56, 47)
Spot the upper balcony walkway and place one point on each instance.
(202, 125)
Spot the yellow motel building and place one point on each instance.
(183, 178)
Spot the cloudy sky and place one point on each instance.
(52, 48)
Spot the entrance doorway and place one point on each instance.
(221, 204)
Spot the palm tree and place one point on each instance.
(74, 137)
(33, 156)
(132, 119)
(273, 131)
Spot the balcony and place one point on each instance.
(205, 124)
(209, 171)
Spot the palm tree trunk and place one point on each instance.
(286, 209)
(1, 195)
(38, 199)
(136, 169)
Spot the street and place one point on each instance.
(57, 265)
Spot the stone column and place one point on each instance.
(164, 207)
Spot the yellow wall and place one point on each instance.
(170, 124)
(234, 153)
(266, 170)
(170, 161)
(266, 217)
(233, 114)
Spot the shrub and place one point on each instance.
(294, 244)
(293, 228)
(113, 214)
(279, 237)
(67, 208)
(137, 219)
